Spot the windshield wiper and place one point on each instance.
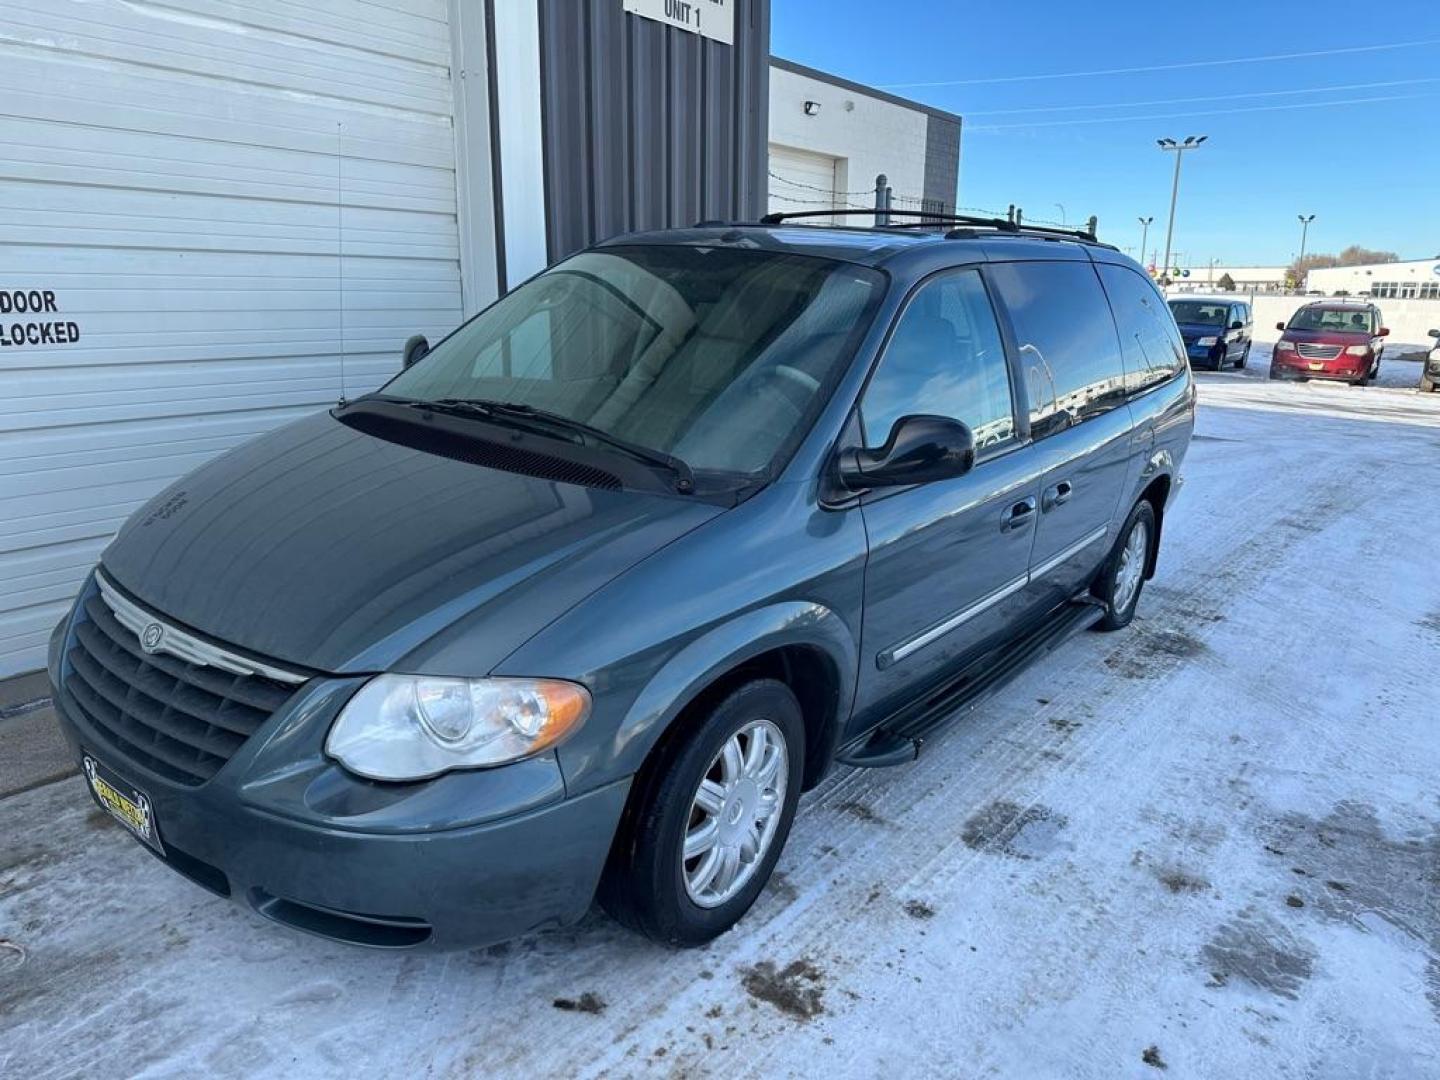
(678, 468)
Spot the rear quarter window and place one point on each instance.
(1072, 366)
(1153, 349)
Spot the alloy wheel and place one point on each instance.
(734, 813)
(1131, 567)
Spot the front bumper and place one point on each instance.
(465, 860)
(1347, 368)
(1205, 354)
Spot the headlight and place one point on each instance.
(413, 727)
(1284, 346)
(1205, 342)
(1358, 350)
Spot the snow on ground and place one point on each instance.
(1210, 842)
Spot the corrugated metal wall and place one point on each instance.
(648, 126)
(169, 172)
(942, 163)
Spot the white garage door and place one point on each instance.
(169, 181)
(801, 180)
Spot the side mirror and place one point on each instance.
(1279, 326)
(414, 349)
(1435, 333)
(920, 450)
(1384, 331)
(1237, 325)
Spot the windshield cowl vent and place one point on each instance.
(479, 451)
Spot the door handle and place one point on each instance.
(1019, 515)
(1055, 495)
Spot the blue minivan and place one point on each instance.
(1217, 332)
(581, 601)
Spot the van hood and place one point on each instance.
(332, 549)
(1328, 337)
(1194, 330)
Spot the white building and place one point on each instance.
(830, 138)
(1417, 279)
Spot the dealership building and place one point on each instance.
(1415, 279)
(223, 214)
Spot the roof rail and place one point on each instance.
(927, 217)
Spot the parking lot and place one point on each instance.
(1208, 844)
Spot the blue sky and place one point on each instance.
(1368, 170)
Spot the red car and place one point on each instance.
(1330, 340)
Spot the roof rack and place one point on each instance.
(928, 217)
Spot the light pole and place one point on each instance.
(1144, 233)
(1061, 207)
(1178, 148)
(1304, 233)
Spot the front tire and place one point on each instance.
(1123, 576)
(710, 819)
(1427, 384)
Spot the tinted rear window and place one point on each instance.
(1153, 347)
(1066, 338)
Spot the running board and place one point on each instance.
(898, 739)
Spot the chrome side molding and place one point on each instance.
(900, 651)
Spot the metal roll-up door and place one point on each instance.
(171, 177)
(802, 180)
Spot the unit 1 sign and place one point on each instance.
(713, 19)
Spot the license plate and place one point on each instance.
(1317, 367)
(126, 803)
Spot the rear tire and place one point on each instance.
(700, 791)
(1122, 578)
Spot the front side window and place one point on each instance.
(944, 358)
(1072, 363)
(715, 355)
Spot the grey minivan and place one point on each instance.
(583, 599)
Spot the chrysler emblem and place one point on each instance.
(151, 637)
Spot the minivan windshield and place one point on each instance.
(1198, 313)
(717, 356)
(1334, 320)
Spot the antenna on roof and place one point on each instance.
(340, 243)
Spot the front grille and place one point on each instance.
(1317, 352)
(180, 720)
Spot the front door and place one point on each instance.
(947, 562)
